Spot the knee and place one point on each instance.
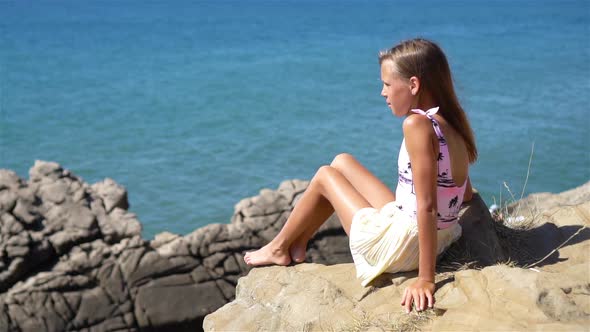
(341, 160)
(323, 173)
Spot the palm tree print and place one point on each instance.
(408, 168)
(453, 201)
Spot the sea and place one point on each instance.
(195, 105)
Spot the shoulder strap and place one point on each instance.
(435, 125)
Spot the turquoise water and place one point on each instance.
(194, 105)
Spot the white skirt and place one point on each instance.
(386, 240)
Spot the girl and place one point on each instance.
(407, 230)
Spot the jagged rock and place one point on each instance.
(119, 224)
(112, 194)
(7, 200)
(72, 254)
(552, 293)
(163, 238)
(9, 180)
(45, 170)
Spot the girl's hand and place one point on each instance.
(419, 292)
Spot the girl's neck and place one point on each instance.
(426, 102)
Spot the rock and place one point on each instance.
(9, 180)
(119, 224)
(162, 239)
(479, 243)
(45, 170)
(112, 194)
(73, 254)
(504, 298)
(25, 212)
(54, 192)
(537, 203)
(7, 200)
(550, 292)
(170, 301)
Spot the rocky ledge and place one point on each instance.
(541, 283)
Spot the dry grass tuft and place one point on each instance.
(513, 224)
(411, 322)
(509, 263)
(362, 323)
(510, 210)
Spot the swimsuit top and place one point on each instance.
(449, 196)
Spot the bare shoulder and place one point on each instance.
(417, 125)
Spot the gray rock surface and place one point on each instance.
(72, 257)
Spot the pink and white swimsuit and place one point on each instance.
(449, 195)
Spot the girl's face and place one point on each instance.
(396, 90)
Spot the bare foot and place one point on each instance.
(267, 255)
(297, 252)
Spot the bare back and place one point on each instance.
(457, 151)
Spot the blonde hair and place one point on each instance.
(425, 60)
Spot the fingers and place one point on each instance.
(408, 302)
(421, 298)
(420, 302)
(412, 296)
(430, 299)
(404, 296)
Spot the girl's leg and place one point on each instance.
(328, 186)
(367, 184)
(372, 189)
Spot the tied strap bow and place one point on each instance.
(428, 113)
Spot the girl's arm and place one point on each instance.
(420, 143)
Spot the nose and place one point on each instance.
(383, 92)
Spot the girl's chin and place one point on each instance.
(396, 113)
(399, 113)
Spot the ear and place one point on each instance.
(414, 85)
